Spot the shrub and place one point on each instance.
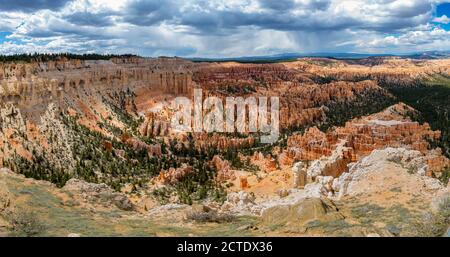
(211, 216)
(24, 223)
(436, 224)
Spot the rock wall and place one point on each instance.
(40, 83)
(360, 137)
(398, 70)
(302, 101)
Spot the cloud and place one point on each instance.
(31, 5)
(149, 12)
(221, 27)
(443, 19)
(304, 15)
(421, 40)
(101, 19)
(280, 5)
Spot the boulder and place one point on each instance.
(241, 203)
(300, 174)
(283, 193)
(301, 213)
(98, 193)
(122, 202)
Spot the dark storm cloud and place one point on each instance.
(31, 5)
(102, 19)
(281, 15)
(149, 12)
(203, 17)
(215, 21)
(280, 5)
(287, 5)
(412, 10)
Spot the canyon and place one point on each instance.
(98, 133)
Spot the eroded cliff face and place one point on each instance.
(109, 122)
(42, 105)
(359, 137)
(144, 87)
(94, 91)
(398, 70)
(302, 101)
(30, 85)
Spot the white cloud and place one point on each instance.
(443, 19)
(435, 39)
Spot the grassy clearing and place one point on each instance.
(435, 224)
(40, 211)
(212, 216)
(398, 220)
(335, 227)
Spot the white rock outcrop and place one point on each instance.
(409, 161)
(240, 203)
(98, 193)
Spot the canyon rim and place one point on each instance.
(224, 119)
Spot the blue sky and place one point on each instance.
(223, 28)
(441, 10)
(3, 36)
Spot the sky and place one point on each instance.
(224, 28)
